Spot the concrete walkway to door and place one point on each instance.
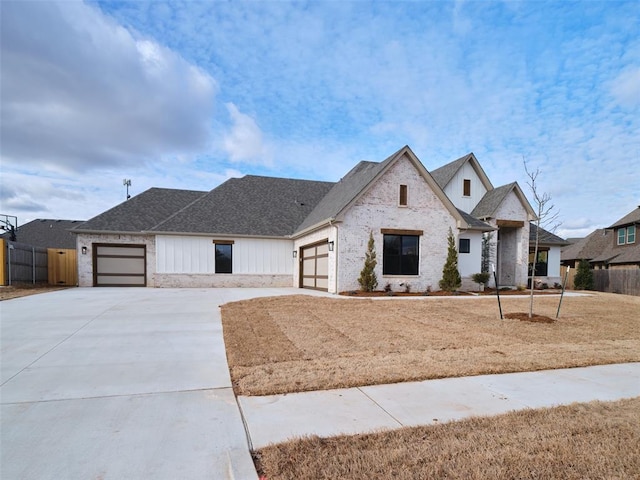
(115, 383)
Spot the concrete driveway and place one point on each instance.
(120, 383)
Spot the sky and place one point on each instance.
(189, 94)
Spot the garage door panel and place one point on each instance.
(119, 265)
(120, 251)
(116, 280)
(315, 266)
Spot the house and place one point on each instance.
(549, 253)
(46, 233)
(615, 247)
(268, 232)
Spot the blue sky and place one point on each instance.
(188, 94)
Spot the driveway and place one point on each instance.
(102, 383)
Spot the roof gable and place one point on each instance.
(251, 205)
(589, 247)
(492, 200)
(355, 184)
(545, 237)
(142, 212)
(445, 174)
(629, 219)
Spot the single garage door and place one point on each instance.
(119, 265)
(315, 266)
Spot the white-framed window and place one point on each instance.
(622, 232)
(631, 234)
(627, 235)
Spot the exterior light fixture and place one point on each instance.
(84, 250)
(331, 246)
(295, 254)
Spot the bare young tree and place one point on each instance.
(546, 218)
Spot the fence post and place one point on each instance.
(9, 248)
(33, 265)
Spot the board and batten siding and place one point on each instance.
(454, 189)
(194, 254)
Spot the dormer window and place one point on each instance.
(466, 187)
(627, 235)
(402, 201)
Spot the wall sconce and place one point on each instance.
(84, 250)
(331, 246)
(295, 254)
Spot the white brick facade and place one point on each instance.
(377, 209)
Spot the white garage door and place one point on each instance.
(119, 265)
(315, 267)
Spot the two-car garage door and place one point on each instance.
(119, 265)
(314, 266)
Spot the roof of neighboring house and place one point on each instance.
(619, 254)
(631, 218)
(47, 233)
(587, 248)
(443, 175)
(545, 238)
(142, 212)
(251, 205)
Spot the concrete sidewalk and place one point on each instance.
(276, 418)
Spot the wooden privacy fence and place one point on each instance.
(572, 275)
(625, 281)
(23, 263)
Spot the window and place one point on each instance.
(224, 258)
(621, 235)
(400, 255)
(403, 196)
(542, 264)
(631, 234)
(466, 187)
(464, 245)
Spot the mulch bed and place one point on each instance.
(524, 317)
(381, 293)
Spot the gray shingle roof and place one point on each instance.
(343, 192)
(545, 237)
(474, 223)
(487, 207)
(251, 205)
(142, 212)
(444, 174)
(589, 247)
(629, 219)
(47, 233)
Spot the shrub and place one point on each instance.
(584, 276)
(368, 280)
(451, 280)
(481, 278)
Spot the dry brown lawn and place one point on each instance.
(581, 441)
(302, 343)
(23, 290)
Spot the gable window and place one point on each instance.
(464, 245)
(400, 254)
(466, 187)
(224, 257)
(403, 196)
(631, 234)
(621, 235)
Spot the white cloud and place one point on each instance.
(245, 142)
(626, 87)
(80, 91)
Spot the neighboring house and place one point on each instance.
(622, 251)
(586, 248)
(615, 247)
(46, 233)
(263, 231)
(549, 253)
